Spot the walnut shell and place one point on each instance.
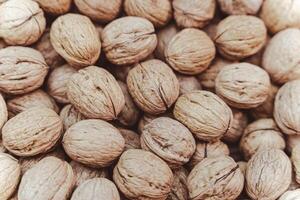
(268, 174)
(190, 51)
(51, 178)
(188, 84)
(296, 162)
(95, 93)
(291, 142)
(22, 69)
(243, 85)
(93, 142)
(128, 40)
(76, 39)
(153, 86)
(132, 139)
(149, 172)
(55, 7)
(33, 131)
(204, 113)
(3, 112)
(242, 166)
(179, 189)
(216, 178)
(146, 119)
(235, 40)
(70, 115)
(290, 195)
(240, 7)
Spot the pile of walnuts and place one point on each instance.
(149, 99)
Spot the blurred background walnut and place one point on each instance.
(70, 115)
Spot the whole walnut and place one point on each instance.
(193, 13)
(96, 188)
(93, 142)
(50, 178)
(128, 40)
(22, 22)
(235, 40)
(3, 112)
(179, 189)
(204, 113)
(147, 171)
(261, 134)
(268, 174)
(215, 178)
(190, 51)
(99, 10)
(187, 84)
(290, 195)
(296, 162)
(76, 39)
(33, 131)
(10, 175)
(153, 86)
(95, 93)
(22, 69)
(240, 7)
(55, 7)
(291, 142)
(243, 85)
(70, 115)
(132, 139)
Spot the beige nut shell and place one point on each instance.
(240, 7)
(295, 158)
(70, 115)
(55, 7)
(188, 84)
(3, 112)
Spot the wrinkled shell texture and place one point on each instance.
(22, 70)
(51, 178)
(243, 85)
(95, 93)
(70, 115)
(3, 112)
(22, 22)
(128, 40)
(132, 139)
(153, 86)
(76, 39)
(240, 7)
(141, 175)
(216, 178)
(204, 113)
(296, 162)
(188, 84)
(179, 189)
(235, 40)
(190, 51)
(55, 7)
(290, 195)
(93, 142)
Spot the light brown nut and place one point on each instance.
(157, 12)
(10, 174)
(55, 7)
(146, 119)
(193, 13)
(3, 112)
(243, 85)
(33, 131)
(179, 189)
(170, 140)
(76, 39)
(51, 178)
(235, 40)
(70, 115)
(187, 84)
(296, 162)
(261, 134)
(216, 178)
(153, 86)
(132, 139)
(190, 51)
(37, 98)
(240, 7)
(93, 142)
(22, 69)
(242, 166)
(57, 82)
(128, 40)
(22, 22)
(95, 93)
(204, 113)
(291, 142)
(290, 195)
(149, 172)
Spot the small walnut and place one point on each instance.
(128, 40)
(22, 22)
(188, 84)
(291, 142)
(33, 131)
(50, 178)
(93, 142)
(70, 115)
(215, 178)
(3, 112)
(179, 189)
(95, 93)
(147, 171)
(204, 113)
(190, 51)
(132, 139)
(193, 13)
(242, 166)
(296, 162)
(240, 7)
(153, 86)
(22, 69)
(235, 40)
(55, 7)
(243, 85)
(290, 195)
(268, 174)
(76, 39)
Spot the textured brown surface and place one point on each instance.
(132, 139)
(240, 7)
(187, 84)
(70, 115)
(179, 189)
(55, 7)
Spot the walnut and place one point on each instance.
(296, 162)
(33, 131)
(3, 112)
(55, 7)
(65, 33)
(132, 139)
(147, 118)
(142, 168)
(22, 69)
(70, 115)
(240, 7)
(290, 195)
(204, 113)
(128, 40)
(22, 22)
(153, 86)
(179, 189)
(2, 148)
(291, 142)
(268, 174)
(188, 84)
(190, 51)
(120, 73)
